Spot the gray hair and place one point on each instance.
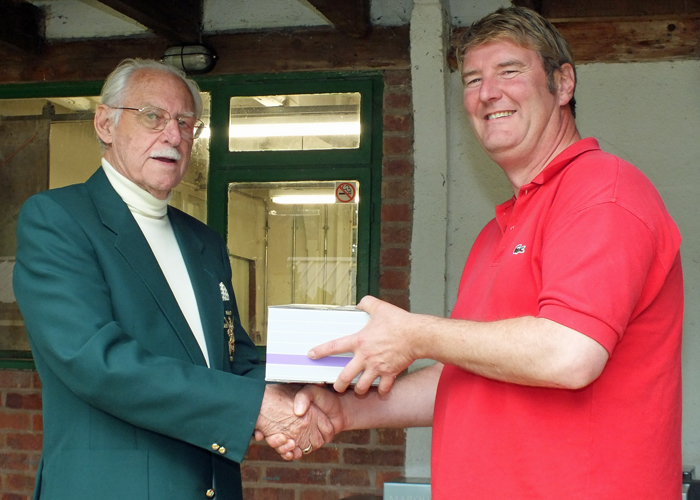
(114, 90)
(525, 28)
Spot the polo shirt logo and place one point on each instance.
(519, 249)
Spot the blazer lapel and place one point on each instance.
(205, 284)
(132, 244)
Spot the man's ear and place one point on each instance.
(103, 124)
(566, 83)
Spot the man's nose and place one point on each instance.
(489, 90)
(172, 132)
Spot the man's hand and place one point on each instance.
(325, 400)
(383, 348)
(311, 396)
(287, 432)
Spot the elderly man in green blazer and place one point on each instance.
(151, 387)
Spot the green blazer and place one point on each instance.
(131, 411)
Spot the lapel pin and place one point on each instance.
(228, 325)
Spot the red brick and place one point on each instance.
(396, 234)
(399, 298)
(394, 145)
(353, 437)
(363, 456)
(287, 475)
(23, 401)
(350, 477)
(26, 441)
(397, 167)
(384, 476)
(16, 379)
(397, 213)
(38, 423)
(397, 77)
(268, 494)
(329, 454)
(397, 189)
(250, 473)
(394, 280)
(398, 123)
(262, 452)
(14, 461)
(364, 495)
(395, 257)
(33, 460)
(397, 100)
(36, 381)
(19, 482)
(14, 420)
(14, 496)
(318, 495)
(395, 437)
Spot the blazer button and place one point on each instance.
(222, 450)
(210, 493)
(215, 447)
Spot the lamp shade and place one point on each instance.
(193, 59)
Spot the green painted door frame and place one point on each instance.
(363, 164)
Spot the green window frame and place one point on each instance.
(363, 164)
(16, 359)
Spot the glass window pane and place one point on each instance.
(190, 195)
(291, 243)
(48, 143)
(295, 122)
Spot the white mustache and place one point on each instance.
(172, 154)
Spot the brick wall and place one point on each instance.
(397, 189)
(356, 462)
(20, 433)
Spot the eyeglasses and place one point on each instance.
(154, 118)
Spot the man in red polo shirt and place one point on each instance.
(558, 374)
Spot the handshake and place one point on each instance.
(298, 419)
(295, 420)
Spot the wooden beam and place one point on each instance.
(623, 40)
(240, 53)
(21, 26)
(633, 40)
(312, 50)
(581, 9)
(179, 22)
(347, 16)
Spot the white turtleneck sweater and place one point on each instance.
(151, 214)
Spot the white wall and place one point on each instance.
(649, 114)
(66, 19)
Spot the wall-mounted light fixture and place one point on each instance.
(192, 59)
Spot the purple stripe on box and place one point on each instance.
(303, 359)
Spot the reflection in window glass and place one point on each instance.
(291, 243)
(295, 122)
(190, 195)
(48, 143)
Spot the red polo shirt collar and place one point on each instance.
(504, 210)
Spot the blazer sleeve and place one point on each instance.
(67, 303)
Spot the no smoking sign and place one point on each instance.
(345, 192)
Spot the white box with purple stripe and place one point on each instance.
(292, 330)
